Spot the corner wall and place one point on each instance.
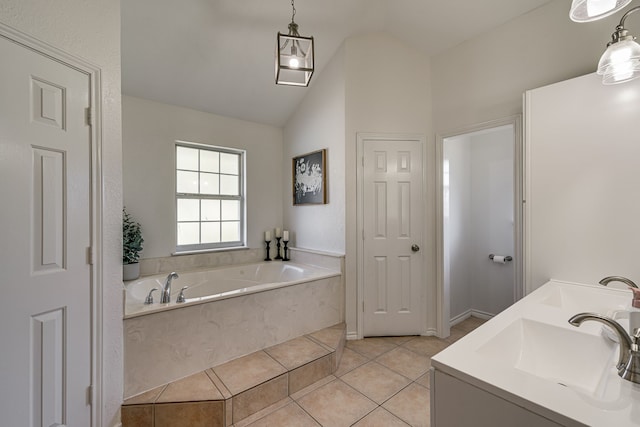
(388, 90)
(91, 30)
(150, 130)
(318, 122)
(484, 78)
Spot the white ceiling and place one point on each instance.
(218, 55)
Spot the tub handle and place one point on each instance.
(149, 299)
(181, 294)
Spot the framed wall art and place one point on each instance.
(310, 178)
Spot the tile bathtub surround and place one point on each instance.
(380, 382)
(165, 346)
(231, 392)
(151, 266)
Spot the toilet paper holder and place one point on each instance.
(507, 258)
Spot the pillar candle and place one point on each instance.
(285, 235)
(277, 231)
(267, 236)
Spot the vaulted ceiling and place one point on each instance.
(218, 55)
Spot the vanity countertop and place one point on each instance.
(531, 356)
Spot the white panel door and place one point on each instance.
(392, 221)
(45, 309)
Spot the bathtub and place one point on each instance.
(219, 283)
(229, 312)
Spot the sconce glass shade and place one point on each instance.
(620, 62)
(294, 60)
(591, 10)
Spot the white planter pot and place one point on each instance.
(130, 271)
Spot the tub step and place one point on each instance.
(227, 393)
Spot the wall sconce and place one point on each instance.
(294, 56)
(591, 10)
(621, 61)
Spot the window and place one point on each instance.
(210, 202)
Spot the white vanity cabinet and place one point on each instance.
(529, 367)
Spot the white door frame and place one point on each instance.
(94, 74)
(442, 293)
(362, 137)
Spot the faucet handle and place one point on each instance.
(181, 294)
(149, 299)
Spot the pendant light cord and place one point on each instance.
(293, 15)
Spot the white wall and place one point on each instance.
(319, 122)
(91, 30)
(484, 78)
(457, 225)
(583, 185)
(150, 130)
(480, 221)
(492, 219)
(388, 90)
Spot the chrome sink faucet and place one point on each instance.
(165, 293)
(629, 360)
(609, 279)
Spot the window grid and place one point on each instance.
(222, 225)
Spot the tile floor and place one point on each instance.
(379, 382)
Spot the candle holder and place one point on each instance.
(267, 242)
(285, 258)
(278, 256)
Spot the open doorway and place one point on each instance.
(479, 222)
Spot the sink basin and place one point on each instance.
(578, 299)
(564, 356)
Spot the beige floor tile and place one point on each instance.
(380, 418)
(259, 397)
(330, 337)
(324, 381)
(146, 397)
(399, 340)
(296, 352)
(289, 416)
(426, 346)
(470, 324)
(336, 404)
(310, 373)
(406, 362)
(263, 413)
(375, 381)
(248, 371)
(350, 360)
(196, 387)
(411, 405)
(137, 416)
(425, 380)
(455, 334)
(371, 347)
(198, 414)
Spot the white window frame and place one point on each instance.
(201, 247)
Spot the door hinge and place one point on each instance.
(90, 255)
(90, 395)
(363, 306)
(89, 116)
(362, 161)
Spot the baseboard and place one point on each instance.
(352, 336)
(471, 312)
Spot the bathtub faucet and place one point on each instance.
(166, 289)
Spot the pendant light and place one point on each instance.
(621, 61)
(294, 56)
(591, 10)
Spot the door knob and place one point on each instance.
(415, 248)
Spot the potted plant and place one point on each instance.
(131, 246)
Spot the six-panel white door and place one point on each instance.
(45, 229)
(392, 222)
